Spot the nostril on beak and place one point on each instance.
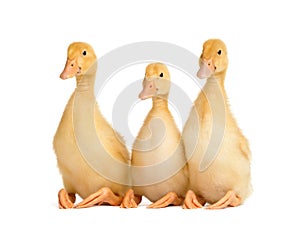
(150, 86)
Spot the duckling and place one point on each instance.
(158, 141)
(78, 176)
(219, 175)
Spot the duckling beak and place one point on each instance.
(71, 69)
(206, 69)
(149, 89)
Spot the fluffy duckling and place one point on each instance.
(78, 175)
(224, 179)
(158, 143)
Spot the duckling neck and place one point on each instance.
(213, 93)
(216, 81)
(160, 102)
(85, 83)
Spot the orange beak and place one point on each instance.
(71, 69)
(149, 89)
(206, 69)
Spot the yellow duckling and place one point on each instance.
(225, 179)
(79, 177)
(158, 142)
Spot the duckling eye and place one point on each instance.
(84, 53)
(161, 75)
(219, 52)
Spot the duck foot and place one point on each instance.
(169, 199)
(191, 201)
(130, 200)
(65, 200)
(104, 195)
(230, 199)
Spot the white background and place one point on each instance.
(262, 84)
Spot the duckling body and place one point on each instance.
(78, 175)
(158, 140)
(166, 148)
(226, 179)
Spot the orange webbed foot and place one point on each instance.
(169, 199)
(65, 200)
(130, 200)
(104, 195)
(230, 199)
(191, 201)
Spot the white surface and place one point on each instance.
(262, 84)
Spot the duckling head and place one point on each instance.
(156, 82)
(81, 61)
(213, 60)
